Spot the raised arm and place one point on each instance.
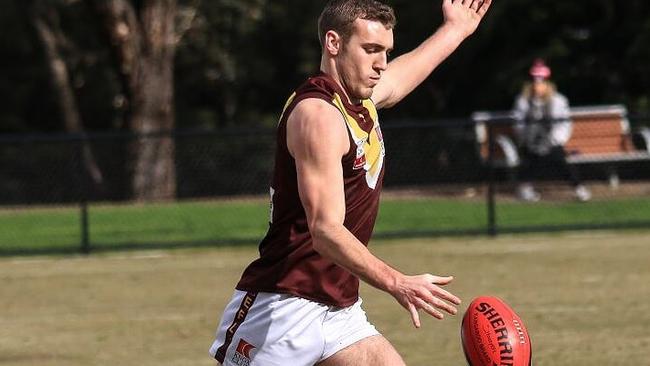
(405, 73)
(317, 139)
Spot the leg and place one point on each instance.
(266, 329)
(558, 157)
(375, 350)
(529, 164)
(570, 173)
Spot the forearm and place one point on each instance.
(339, 245)
(408, 71)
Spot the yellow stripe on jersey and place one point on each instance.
(286, 105)
(369, 142)
(370, 106)
(358, 134)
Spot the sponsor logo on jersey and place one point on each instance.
(360, 161)
(242, 356)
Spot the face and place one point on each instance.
(540, 88)
(364, 57)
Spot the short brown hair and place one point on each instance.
(339, 15)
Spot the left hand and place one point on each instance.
(424, 292)
(464, 15)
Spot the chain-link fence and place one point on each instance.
(70, 193)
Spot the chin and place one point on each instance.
(365, 93)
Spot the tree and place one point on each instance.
(45, 20)
(143, 38)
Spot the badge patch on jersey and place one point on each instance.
(360, 161)
(242, 356)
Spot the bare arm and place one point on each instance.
(406, 72)
(317, 139)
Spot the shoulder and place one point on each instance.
(557, 96)
(316, 124)
(521, 98)
(314, 111)
(560, 99)
(319, 86)
(521, 102)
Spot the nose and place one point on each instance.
(381, 62)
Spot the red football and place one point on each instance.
(494, 335)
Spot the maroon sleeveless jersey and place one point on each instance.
(288, 263)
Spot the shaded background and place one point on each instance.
(135, 103)
(236, 61)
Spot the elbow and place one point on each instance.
(320, 247)
(323, 237)
(395, 97)
(319, 238)
(388, 104)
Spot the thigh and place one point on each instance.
(264, 329)
(375, 350)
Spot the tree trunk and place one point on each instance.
(48, 32)
(143, 41)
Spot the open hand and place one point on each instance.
(464, 15)
(422, 292)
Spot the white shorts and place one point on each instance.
(263, 329)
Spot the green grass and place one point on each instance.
(36, 228)
(209, 222)
(184, 222)
(583, 297)
(398, 215)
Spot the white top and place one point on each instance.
(542, 124)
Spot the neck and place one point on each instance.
(328, 66)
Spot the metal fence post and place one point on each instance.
(83, 201)
(491, 204)
(85, 238)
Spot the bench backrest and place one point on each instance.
(596, 130)
(600, 130)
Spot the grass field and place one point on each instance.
(206, 222)
(584, 297)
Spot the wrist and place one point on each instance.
(452, 32)
(394, 279)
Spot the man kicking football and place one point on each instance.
(298, 303)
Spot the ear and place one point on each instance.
(333, 42)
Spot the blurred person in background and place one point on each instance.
(543, 126)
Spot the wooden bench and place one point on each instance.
(601, 134)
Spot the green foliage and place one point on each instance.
(241, 60)
(237, 61)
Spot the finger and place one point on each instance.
(415, 316)
(433, 300)
(439, 292)
(444, 306)
(429, 309)
(444, 294)
(441, 280)
(483, 8)
(474, 4)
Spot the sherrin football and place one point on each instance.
(493, 334)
